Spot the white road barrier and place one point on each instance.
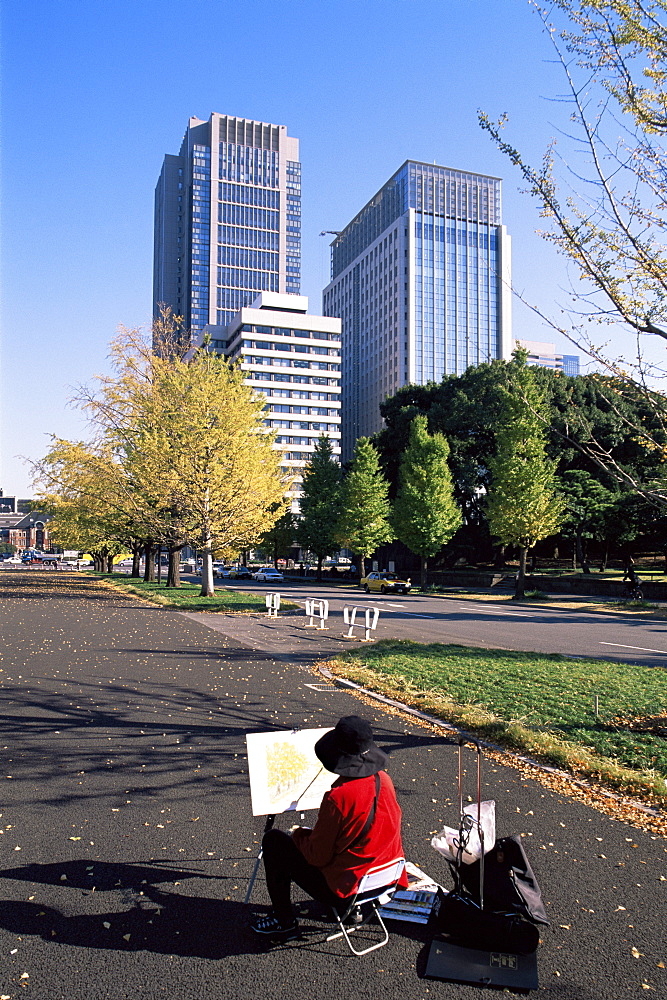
(273, 605)
(369, 622)
(317, 609)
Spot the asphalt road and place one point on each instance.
(629, 638)
(128, 840)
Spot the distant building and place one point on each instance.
(26, 531)
(294, 358)
(7, 504)
(227, 220)
(421, 278)
(545, 356)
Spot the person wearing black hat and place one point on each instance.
(358, 826)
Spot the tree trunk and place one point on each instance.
(319, 568)
(159, 563)
(109, 562)
(424, 573)
(520, 583)
(207, 585)
(581, 555)
(362, 566)
(174, 570)
(149, 567)
(136, 559)
(499, 560)
(605, 557)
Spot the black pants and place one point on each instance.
(284, 863)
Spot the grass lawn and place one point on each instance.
(187, 596)
(542, 704)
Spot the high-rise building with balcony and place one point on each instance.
(421, 281)
(293, 358)
(227, 220)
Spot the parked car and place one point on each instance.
(220, 571)
(269, 575)
(240, 573)
(385, 583)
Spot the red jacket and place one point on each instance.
(331, 845)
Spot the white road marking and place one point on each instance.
(497, 611)
(395, 605)
(642, 649)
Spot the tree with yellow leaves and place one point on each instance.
(187, 454)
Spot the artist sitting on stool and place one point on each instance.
(358, 826)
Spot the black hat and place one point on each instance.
(349, 749)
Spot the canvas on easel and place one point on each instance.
(285, 774)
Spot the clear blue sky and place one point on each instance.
(95, 95)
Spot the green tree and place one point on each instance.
(523, 506)
(587, 505)
(425, 513)
(320, 503)
(364, 522)
(612, 223)
(280, 538)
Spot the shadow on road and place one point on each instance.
(160, 920)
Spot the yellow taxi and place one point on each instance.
(385, 583)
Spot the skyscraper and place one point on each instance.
(227, 219)
(421, 282)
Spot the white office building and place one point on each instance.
(294, 358)
(544, 355)
(421, 281)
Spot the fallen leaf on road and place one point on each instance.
(635, 952)
(75, 838)
(126, 937)
(106, 924)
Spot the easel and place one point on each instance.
(270, 821)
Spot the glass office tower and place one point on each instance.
(421, 281)
(227, 219)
